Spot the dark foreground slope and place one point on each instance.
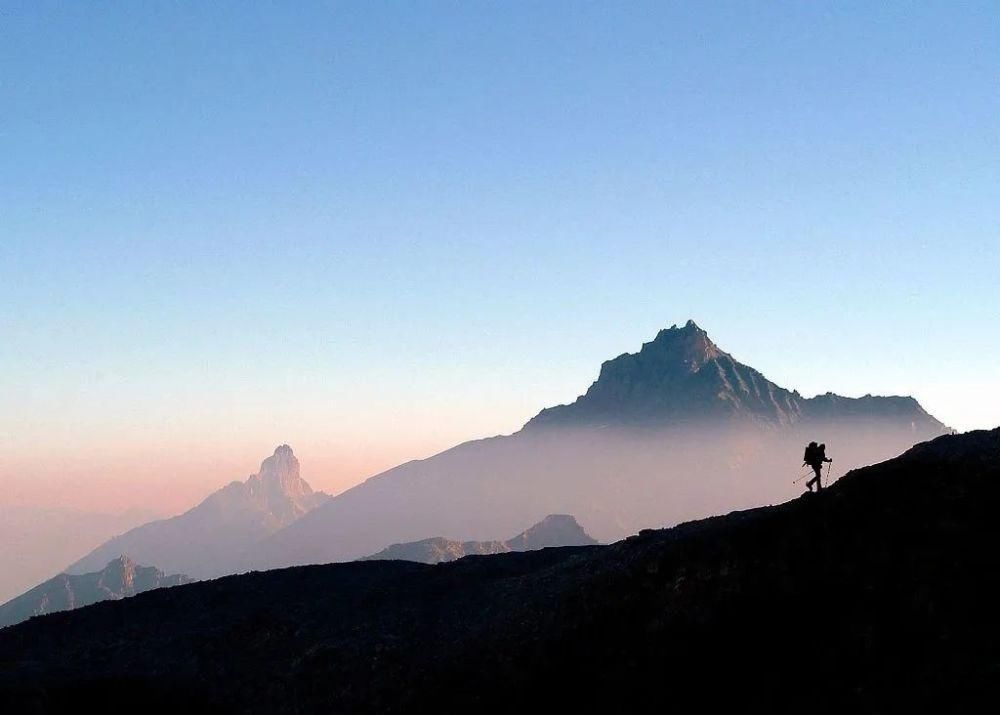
(877, 596)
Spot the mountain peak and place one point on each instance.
(689, 346)
(212, 538)
(688, 327)
(553, 530)
(283, 458)
(280, 472)
(681, 376)
(123, 562)
(280, 489)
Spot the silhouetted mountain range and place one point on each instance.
(215, 536)
(119, 579)
(876, 596)
(620, 459)
(553, 530)
(677, 431)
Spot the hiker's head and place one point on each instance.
(822, 446)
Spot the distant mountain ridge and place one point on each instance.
(38, 542)
(552, 531)
(620, 458)
(212, 538)
(682, 376)
(119, 579)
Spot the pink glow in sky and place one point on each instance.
(169, 482)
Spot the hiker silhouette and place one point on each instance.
(815, 456)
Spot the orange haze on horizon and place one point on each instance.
(168, 481)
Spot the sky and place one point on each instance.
(374, 230)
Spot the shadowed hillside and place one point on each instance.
(876, 596)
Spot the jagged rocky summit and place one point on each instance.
(681, 376)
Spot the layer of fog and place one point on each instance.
(615, 482)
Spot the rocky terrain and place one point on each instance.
(876, 596)
(553, 530)
(121, 578)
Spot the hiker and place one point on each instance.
(815, 456)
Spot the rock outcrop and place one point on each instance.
(552, 531)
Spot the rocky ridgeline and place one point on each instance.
(121, 578)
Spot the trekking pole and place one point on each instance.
(801, 478)
(828, 466)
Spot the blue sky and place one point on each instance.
(376, 229)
